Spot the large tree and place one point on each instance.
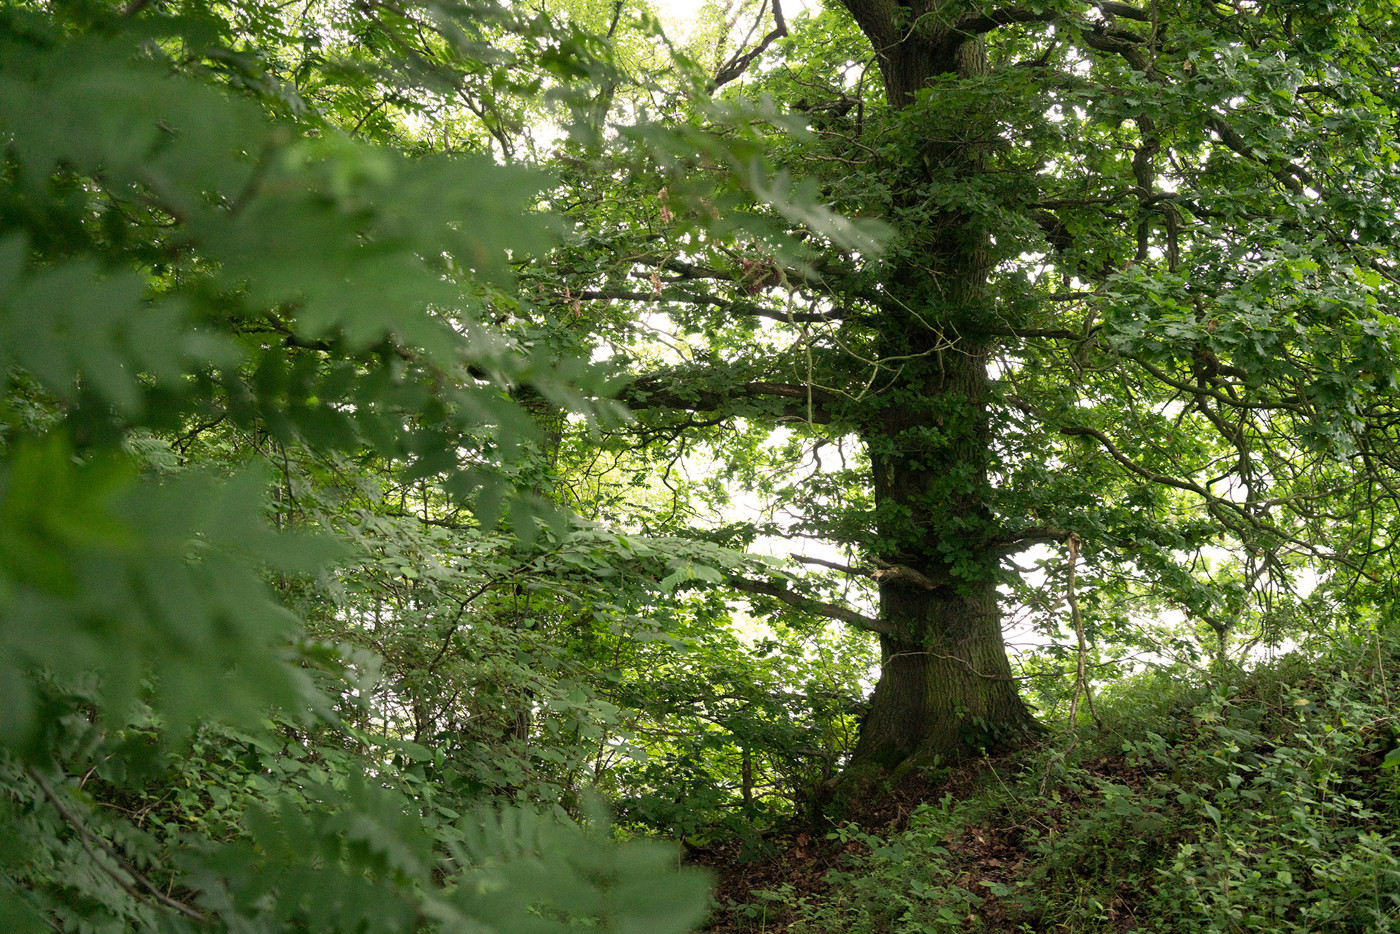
(1138, 293)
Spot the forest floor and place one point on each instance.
(1270, 805)
(986, 851)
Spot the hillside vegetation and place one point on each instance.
(1266, 803)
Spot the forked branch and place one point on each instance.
(740, 61)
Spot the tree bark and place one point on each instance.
(945, 687)
(949, 697)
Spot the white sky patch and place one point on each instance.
(679, 15)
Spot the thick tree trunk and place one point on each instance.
(950, 696)
(945, 688)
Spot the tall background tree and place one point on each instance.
(1138, 295)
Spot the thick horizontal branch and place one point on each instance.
(1034, 535)
(669, 392)
(791, 317)
(619, 295)
(1120, 42)
(1125, 11)
(809, 605)
(692, 271)
(834, 565)
(978, 23)
(760, 273)
(880, 573)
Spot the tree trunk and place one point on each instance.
(951, 696)
(945, 688)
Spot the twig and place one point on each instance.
(1081, 678)
(122, 873)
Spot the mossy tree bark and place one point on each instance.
(945, 688)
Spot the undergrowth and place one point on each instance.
(1261, 804)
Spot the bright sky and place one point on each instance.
(680, 10)
(679, 14)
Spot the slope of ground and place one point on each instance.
(1263, 805)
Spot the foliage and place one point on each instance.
(1259, 805)
(399, 401)
(206, 282)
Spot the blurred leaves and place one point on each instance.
(201, 278)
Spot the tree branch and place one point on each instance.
(810, 605)
(822, 562)
(1292, 403)
(122, 873)
(1287, 173)
(740, 61)
(1125, 11)
(1133, 466)
(977, 24)
(1059, 334)
(736, 308)
(1038, 534)
(668, 392)
(1119, 42)
(880, 573)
